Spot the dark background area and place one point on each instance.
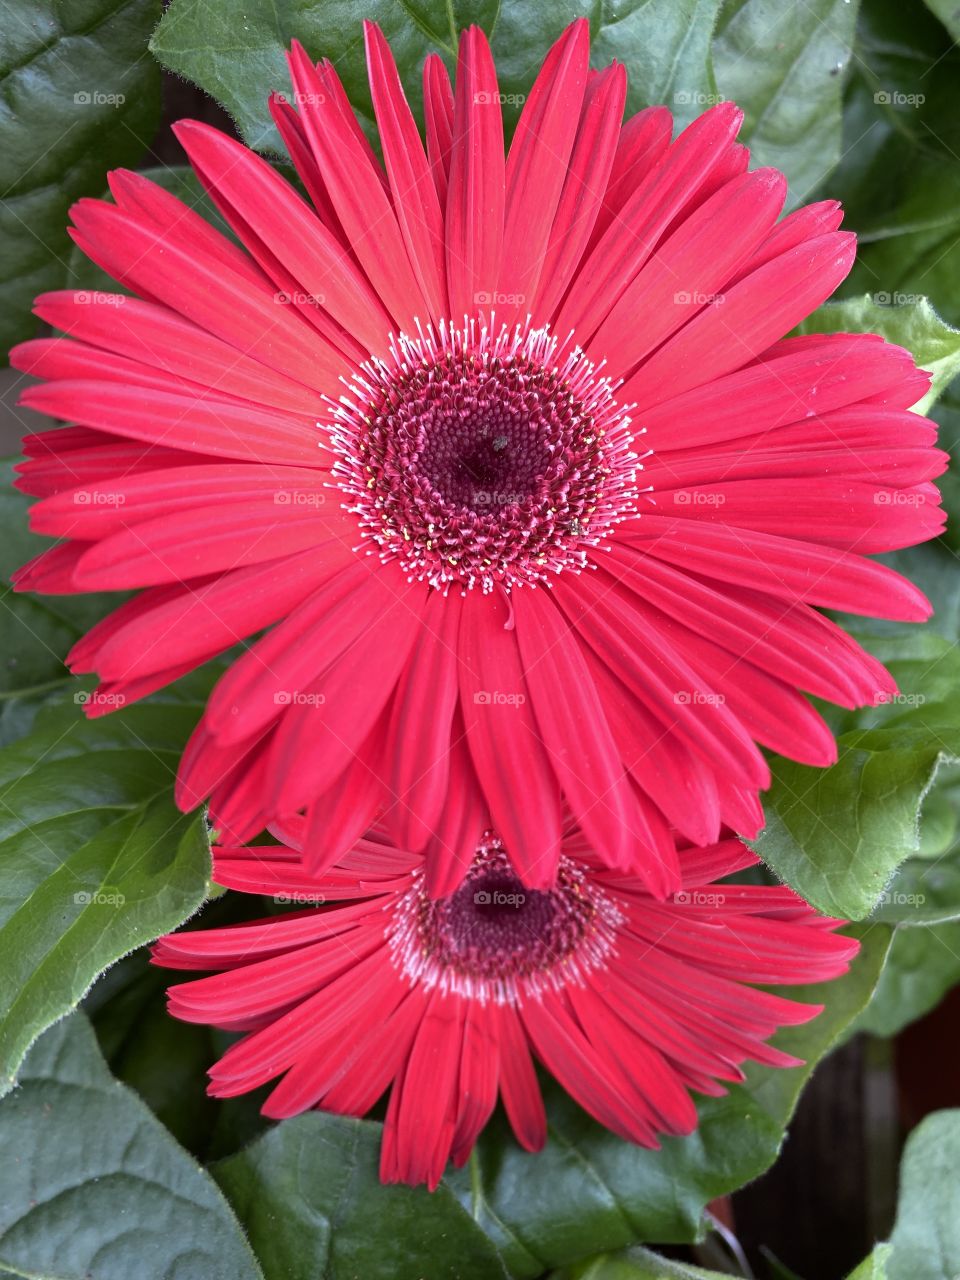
(832, 1193)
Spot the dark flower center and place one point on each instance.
(480, 460)
(490, 458)
(493, 935)
(492, 922)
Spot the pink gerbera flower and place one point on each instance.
(628, 1001)
(509, 457)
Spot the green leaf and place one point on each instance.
(948, 11)
(34, 641)
(93, 1186)
(926, 889)
(915, 325)
(664, 45)
(914, 251)
(874, 1267)
(236, 51)
(588, 1192)
(636, 1264)
(82, 96)
(900, 177)
(95, 859)
(926, 1235)
(922, 966)
(923, 901)
(163, 1059)
(310, 1199)
(784, 65)
(19, 711)
(837, 835)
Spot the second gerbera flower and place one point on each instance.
(390, 421)
(629, 1002)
